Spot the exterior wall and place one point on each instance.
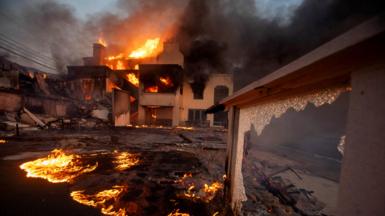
(170, 54)
(159, 100)
(121, 107)
(54, 107)
(10, 102)
(363, 172)
(188, 101)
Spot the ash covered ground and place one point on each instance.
(176, 172)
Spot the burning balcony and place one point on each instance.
(160, 94)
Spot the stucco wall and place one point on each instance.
(170, 54)
(362, 190)
(188, 101)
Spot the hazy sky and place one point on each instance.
(266, 8)
(83, 8)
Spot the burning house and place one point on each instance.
(159, 90)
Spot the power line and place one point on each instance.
(24, 47)
(27, 58)
(24, 51)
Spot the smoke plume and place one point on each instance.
(215, 36)
(249, 45)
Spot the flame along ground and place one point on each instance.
(57, 167)
(2, 141)
(106, 200)
(125, 160)
(205, 193)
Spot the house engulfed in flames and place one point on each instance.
(148, 86)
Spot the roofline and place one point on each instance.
(354, 36)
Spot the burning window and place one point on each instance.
(160, 78)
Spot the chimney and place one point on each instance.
(99, 53)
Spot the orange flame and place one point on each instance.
(166, 81)
(2, 141)
(125, 160)
(147, 50)
(133, 79)
(110, 58)
(111, 85)
(102, 41)
(106, 200)
(57, 167)
(205, 193)
(152, 89)
(119, 65)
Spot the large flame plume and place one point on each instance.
(57, 167)
(106, 200)
(149, 49)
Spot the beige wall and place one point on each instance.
(121, 107)
(362, 190)
(188, 101)
(170, 54)
(171, 100)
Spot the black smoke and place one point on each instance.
(250, 46)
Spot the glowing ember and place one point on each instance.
(125, 160)
(152, 89)
(136, 67)
(147, 50)
(106, 200)
(184, 177)
(57, 167)
(102, 42)
(133, 79)
(166, 81)
(177, 213)
(2, 141)
(210, 190)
